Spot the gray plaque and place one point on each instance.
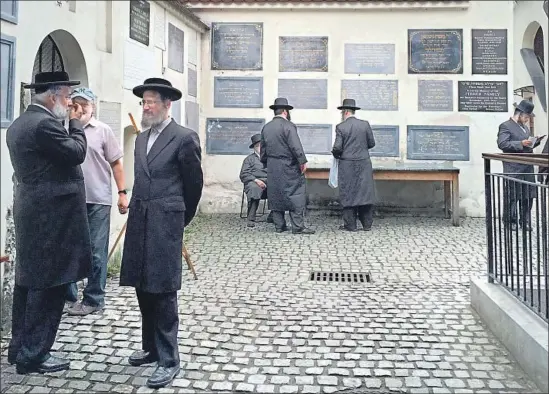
(238, 92)
(387, 141)
(373, 95)
(176, 111)
(176, 43)
(192, 115)
(192, 83)
(435, 51)
(482, 96)
(489, 51)
(231, 136)
(316, 138)
(303, 54)
(237, 46)
(140, 21)
(369, 58)
(304, 93)
(435, 95)
(438, 143)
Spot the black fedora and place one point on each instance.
(349, 104)
(525, 106)
(256, 139)
(160, 85)
(51, 78)
(281, 102)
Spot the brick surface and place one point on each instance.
(254, 322)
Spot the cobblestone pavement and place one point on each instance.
(254, 322)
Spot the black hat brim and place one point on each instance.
(254, 144)
(288, 107)
(172, 93)
(46, 84)
(348, 107)
(517, 106)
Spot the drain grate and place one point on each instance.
(351, 277)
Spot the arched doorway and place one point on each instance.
(539, 48)
(59, 51)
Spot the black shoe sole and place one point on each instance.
(157, 385)
(23, 370)
(138, 363)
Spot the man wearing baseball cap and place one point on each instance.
(103, 158)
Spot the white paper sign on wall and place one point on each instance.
(160, 28)
(139, 64)
(109, 113)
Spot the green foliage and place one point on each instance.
(113, 267)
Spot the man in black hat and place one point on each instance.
(253, 175)
(514, 137)
(52, 233)
(167, 189)
(282, 152)
(354, 137)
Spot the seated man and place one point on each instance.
(254, 177)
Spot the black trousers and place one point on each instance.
(364, 213)
(514, 197)
(36, 315)
(297, 218)
(159, 326)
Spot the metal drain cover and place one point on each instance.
(347, 277)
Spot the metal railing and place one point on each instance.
(517, 229)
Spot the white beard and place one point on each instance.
(59, 111)
(152, 121)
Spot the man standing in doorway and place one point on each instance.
(167, 189)
(354, 137)
(103, 156)
(51, 226)
(513, 137)
(282, 152)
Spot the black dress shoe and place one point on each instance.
(270, 219)
(52, 364)
(347, 229)
(141, 357)
(281, 230)
(303, 231)
(250, 224)
(366, 229)
(162, 376)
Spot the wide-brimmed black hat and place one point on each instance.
(349, 104)
(256, 139)
(525, 106)
(281, 102)
(160, 85)
(45, 79)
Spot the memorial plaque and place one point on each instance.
(237, 46)
(192, 115)
(369, 58)
(192, 83)
(315, 138)
(387, 141)
(303, 54)
(231, 136)
(238, 92)
(304, 93)
(482, 96)
(140, 21)
(438, 143)
(435, 51)
(373, 95)
(435, 95)
(176, 111)
(109, 113)
(176, 44)
(489, 51)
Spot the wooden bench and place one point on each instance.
(412, 172)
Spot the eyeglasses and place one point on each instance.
(149, 103)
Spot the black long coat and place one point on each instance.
(355, 174)
(282, 152)
(252, 169)
(510, 135)
(167, 188)
(51, 224)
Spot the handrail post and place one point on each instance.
(489, 219)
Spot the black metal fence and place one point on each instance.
(517, 229)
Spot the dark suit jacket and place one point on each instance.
(354, 137)
(51, 222)
(167, 188)
(510, 136)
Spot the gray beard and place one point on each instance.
(153, 121)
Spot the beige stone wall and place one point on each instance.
(361, 25)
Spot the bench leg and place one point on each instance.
(455, 200)
(447, 198)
